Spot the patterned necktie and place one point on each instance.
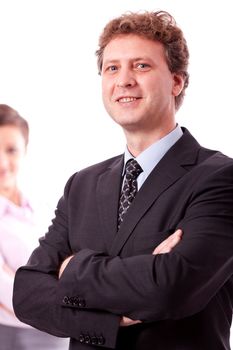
(129, 190)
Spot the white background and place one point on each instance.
(48, 73)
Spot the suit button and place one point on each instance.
(81, 303)
(94, 340)
(81, 338)
(75, 301)
(87, 339)
(100, 340)
(71, 301)
(66, 300)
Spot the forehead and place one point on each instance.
(11, 134)
(130, 46)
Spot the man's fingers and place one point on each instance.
(126, 321)
(168, 244)
(63, 265)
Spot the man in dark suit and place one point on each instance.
(140, 253)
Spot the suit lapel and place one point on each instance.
(108, 190)
(173, 166)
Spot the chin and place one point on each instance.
(126, 121)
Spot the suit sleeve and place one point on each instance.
(36, 287)
(173, 285)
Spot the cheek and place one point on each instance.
(14, 168)
(107, 88)
(15, 164)
(151, 87)
(107, 95)
(104, 91)
(104, 99)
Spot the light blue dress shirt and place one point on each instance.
(149, 158)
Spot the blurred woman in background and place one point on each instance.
(19, 233)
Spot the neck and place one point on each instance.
(137, 142)
(13, 194)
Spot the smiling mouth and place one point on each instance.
(127, 99)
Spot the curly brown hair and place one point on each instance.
(9, 116)
(158, 26)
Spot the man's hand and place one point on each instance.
(168, 244)
(63, 265)
(165, 247)
(125, 321)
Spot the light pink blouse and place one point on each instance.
(19, 233)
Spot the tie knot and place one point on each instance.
(132, 169)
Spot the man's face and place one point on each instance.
(138, 88)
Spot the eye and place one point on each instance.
(12, 150)
(143, 66)
(111, 68)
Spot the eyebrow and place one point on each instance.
(135, 59)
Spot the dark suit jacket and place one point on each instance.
(184, 298)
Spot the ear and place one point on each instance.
(178, 84)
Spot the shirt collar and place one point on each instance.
(150, 157)
(7, 206)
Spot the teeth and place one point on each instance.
(127, 99)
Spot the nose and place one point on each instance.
(126, 84)
(126, 79)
